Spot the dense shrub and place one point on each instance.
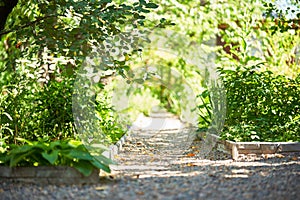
(261, 106)
(34, 111)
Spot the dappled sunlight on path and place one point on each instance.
(163, 163)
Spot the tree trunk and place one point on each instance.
(6, 7)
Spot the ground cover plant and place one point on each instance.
(64, 152)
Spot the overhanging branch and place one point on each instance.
(4, 32)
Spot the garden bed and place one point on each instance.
(258, 148)
(56, 174)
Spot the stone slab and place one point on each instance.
(236, 148)
(47, 175)
(289, 147)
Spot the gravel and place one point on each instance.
(161, 167)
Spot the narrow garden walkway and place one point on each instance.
(161, 160)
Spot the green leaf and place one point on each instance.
(142, 2)
(151, 5)
(16, 158)
(51, 157)
(74, 143)
(100, 165)
(139, 80)
(24, 140)
(4, 158)
(41, 145)
(162, 20)
(106, 1)
(84, 167)
(21, 149)
(244, 44)
(54, 144)
(77, 154)
(104, 160)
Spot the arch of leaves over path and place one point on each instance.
(114, 50)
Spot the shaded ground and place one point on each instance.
(166, 163)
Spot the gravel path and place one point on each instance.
(166, 163)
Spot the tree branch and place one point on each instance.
(4, 32)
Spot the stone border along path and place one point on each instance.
(240, 150)
(46, 175)
(167, 164)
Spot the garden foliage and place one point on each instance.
(255, 47)
(43, 44)
(64, 152)
(257, 56)
(261, 106)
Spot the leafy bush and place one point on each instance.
(65, 152)
(34, 104)
(43, 41)
(261, 106)
(262, 100)
(37, 112)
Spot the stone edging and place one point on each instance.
(69, 175)
(47, 175)
(115, 148)
(237, 148)
(56, 174)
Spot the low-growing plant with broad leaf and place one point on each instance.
(67, 152)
